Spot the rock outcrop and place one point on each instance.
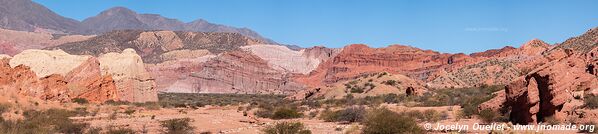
(291, 61)
(134, 83)
(359, 59)
(241, 72)
(80, 82)
(554, 89)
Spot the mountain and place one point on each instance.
(25, 15)
(120, 18)
(158, 46)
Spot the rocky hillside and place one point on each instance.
(556, 88)
(237, 72)
(13, 42)
(25, 15)
(495, 67)
(366, 85)
(154, 46)
(355, 60)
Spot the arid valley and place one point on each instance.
(124, 72)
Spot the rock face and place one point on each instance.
(134, 83)
(13, 42)
(241, 72)
(151, 45)
(358, 59)
(493, 67)
(287, 60)
(83, 81)
(45, 63)
(553, 89)
(548, 90)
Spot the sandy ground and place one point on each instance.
(230, 121)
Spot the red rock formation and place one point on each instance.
(83, 82)
(359, 59)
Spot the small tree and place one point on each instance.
(384, 121)
(287, 128)
(487, 115)
(177, 126)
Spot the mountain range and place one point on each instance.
(26, 15)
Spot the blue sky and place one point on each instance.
(443, 25)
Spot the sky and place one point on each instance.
(450, 26)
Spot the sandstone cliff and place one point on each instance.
(240, 72)
(554, 89)
(134, 83)
(81, 82)
(291, 61)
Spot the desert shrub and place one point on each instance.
(487, 116)
(120, 130)
(115, 103)
(263, 113)
(4, 107)
(81, 111)
(431, 115)
(390, 82)
(130, 111)
(384, 121)
(357, 89)
(382, 74)
(286, 128)
(591, 102)
(286, 113)
(80, 100)
(551, 120)
(177, 126)
(351, 114)
(49, 121)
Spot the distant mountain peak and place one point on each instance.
(535, 43)
(118, 11)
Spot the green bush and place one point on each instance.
(177, 126)
(351, 114)
(80, 100)
(384, 121)
(286, 113)
(591, 102)
(390, 82)
(488, 116)
(357, 89)
(287, 128)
